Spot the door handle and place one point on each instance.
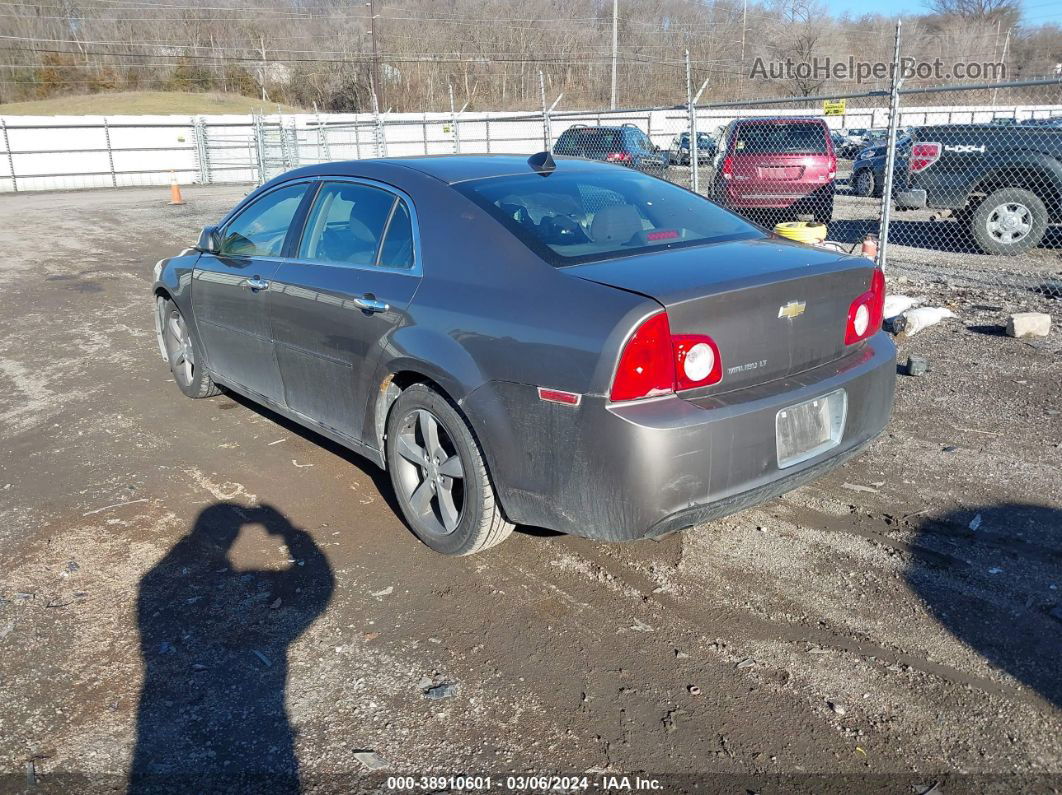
(370, 304)
(256, 284)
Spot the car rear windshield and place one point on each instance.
(781, 138)
(569, 218)
(597, 139)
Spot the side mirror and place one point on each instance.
(209, 240)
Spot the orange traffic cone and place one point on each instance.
(175, 190)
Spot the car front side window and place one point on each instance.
(346, 224)
(261, 228)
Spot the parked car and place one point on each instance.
(680, 149)
(868, 169)
(855, 134)
(1003, 182)
(842, 146)
(625, 145)
(1052, 121)
(776, 164)
(561, 344)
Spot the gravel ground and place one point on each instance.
(201, 589)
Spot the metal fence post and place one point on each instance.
(202, 152)
(487, 124)
(379, 134)
(691, 114)
(453, 122)
(259, 148)
(10, 156)
(110, 152)
(322, 141)
(890, 160)
(546, 134)
(424, 132)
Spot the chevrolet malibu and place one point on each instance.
(564, 344)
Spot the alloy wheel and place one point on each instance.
(1009, 223)
(430, 472)
(179, 347)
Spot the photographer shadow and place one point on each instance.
(214, 641)
(990, 576)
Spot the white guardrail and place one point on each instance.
(73, 152)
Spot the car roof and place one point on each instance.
(454, 168)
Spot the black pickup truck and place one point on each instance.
(1005, 183)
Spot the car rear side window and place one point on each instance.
(397, 249)
(771, 138)
(261, 227)
(573, 217)
(346, 224)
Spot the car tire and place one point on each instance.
(183, 352)
(864, 183)
(425, 434)
(1009, 221)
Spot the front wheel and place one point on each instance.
(439, 476)
(183, 352)
(1009, 221)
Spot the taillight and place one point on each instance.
(865, 313)
(923, 155)
(654, 362)
(697, 361)
(728, 167)
(833, 167)
(618, 157)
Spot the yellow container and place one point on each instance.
(801, 231)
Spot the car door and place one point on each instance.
(334, 304)
(229, 291)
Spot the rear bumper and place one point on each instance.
(910, 200)
(619, 472)
(753, 196)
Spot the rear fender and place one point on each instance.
(430, 356)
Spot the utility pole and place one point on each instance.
(744, 27)
(375, 56)
(615, 49)
(265, 67)
(1003, 61)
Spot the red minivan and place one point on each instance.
(785, 164)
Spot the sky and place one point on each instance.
(1036, 12)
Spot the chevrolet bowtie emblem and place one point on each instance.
(792, 309)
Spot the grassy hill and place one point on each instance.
(141, 102)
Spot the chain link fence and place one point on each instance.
(976, 185)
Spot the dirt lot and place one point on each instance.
(200, 588)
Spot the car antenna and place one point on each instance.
(542, 163)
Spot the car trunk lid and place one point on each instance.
(773, 308)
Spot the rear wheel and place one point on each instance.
(183, 353)
(439, 476)
(1009, 221)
